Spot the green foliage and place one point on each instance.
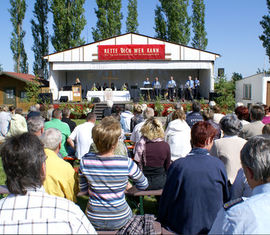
(199, 40)
(17, 13)
(32, 90)
(159, 106)
(41, 36)
(1, 68)
(132, 22)
(265, 37)
(108, 19)
(225, 89)
(160, 24)
(68, 23)
(174, 14)
(236, 77)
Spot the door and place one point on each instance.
(10, 97)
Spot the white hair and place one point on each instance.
(51, 138)
(109, 103)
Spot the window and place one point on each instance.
(10, 93)
(247, 91)
(23, 96)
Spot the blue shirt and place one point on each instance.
(171, 84)
(146, 83)
(195, 190)
(193, 117)
(197, 83)
(250, 216)
(190, 84)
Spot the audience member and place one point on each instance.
(177, 106)
(61, 179)
(29, 209)
(266, 129)
(82, 135)
(63, 127)
(153, 154)
(105, 176)
(108, 110)
(242, 114)
(266, 118)
(217, 112)
(33, 111)
(208, 116)
(250, 216)
(256, 125)
(138, 116)
(35, 125)
(228, 148)
(195, 115)
(12, 109)
(136, 133)
(5, 118)
(67, 120)
(18, 123)
(196, 186)
(177, 135)
(49, 112)
(240, 187)
(126, 118)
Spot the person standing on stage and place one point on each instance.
(146, 82)
(157, 87)
(189, 88)
(171, 86)
(196, 88)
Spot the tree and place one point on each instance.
(1, 68)
(17, 12)
(265, 37)
(225, 90)
(161, 26)
(176, 18)
(132, 22)
(236, 77)
(199, 40)
(68, 23)
(109, 19)
(41, 37)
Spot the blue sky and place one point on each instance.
(232, 28)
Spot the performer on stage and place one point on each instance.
(189, 88)
(171, 86)
(157, 87)
(77, 81)
(146, 83)
(196, 88)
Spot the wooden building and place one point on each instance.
(12, 89)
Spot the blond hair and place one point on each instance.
(106, 133)
(152, 129)
(179, 114)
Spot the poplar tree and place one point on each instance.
(17, 12)
(265, 37)
(41, 36)
(160, 24)
(108, 19)
(132, 22)
(199, 40)
(68, 23)
(177, 20)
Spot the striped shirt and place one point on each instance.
(106, 178)
(40, 213)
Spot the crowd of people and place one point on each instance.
(214, 169)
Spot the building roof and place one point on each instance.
(20, 76)
(88, 52)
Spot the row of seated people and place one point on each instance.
(195, 186)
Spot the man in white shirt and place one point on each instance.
(29, 209)
(82, 135)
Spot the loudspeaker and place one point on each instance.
(64, 98)
(221, 72)
(95, 99)
(45, 98)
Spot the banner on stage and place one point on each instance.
(131, 52)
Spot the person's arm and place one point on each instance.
(82, 179)
(136, 175)
(70, 142)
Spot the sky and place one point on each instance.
(232, 26)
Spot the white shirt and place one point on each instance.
(40, 213)
(136, 133)
(82, 134)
